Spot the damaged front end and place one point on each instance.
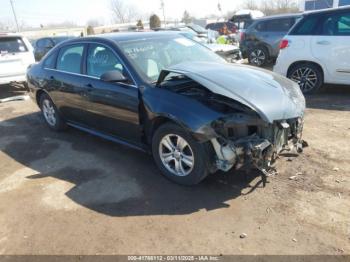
(244, 140)
(247, 122)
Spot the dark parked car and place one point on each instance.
(166, 94)
(260, 41)
(219, 27)
(192, 28)
(44, 45)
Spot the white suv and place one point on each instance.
(317, 50)
(16, 54)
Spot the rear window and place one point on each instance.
(12, 45)
(275, 25)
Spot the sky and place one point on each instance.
(36, 12)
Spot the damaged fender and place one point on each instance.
(246, 122)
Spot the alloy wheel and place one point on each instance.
(176, 155)
(49, 112)
(257, 57)
(305, 77)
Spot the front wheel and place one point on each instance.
(179, 157)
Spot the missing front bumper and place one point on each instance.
(257, 151)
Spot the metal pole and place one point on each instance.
(163, 7)
(14, 14)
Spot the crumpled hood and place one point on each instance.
(272, 96)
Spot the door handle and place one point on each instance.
(324, 42)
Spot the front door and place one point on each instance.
(115, 105)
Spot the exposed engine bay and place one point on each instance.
(241, 137)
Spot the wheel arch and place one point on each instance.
(151, 125)
(264, 46)
(38, 94)
(160, 105)
(301, 62)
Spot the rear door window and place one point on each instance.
(307, 26)
(70, 58)
(343, 25)
(12, 45)
(344, 2)
(50, 61)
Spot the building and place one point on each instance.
(308, 5)
(38, 33)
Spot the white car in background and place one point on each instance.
(16, 54)
(317, 50)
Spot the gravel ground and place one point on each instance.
(72, 193)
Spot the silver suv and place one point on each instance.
(260, 42)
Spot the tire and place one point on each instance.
(50, 113)
(308, 76)
(259, 56)
(200, 152)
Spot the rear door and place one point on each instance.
(67, 85)
(15, 56)
(331, 46)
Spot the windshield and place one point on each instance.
(12, 45)
(151, 56)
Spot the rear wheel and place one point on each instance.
(258, 56)
(308, 76)
(179, 157)
(51, 114)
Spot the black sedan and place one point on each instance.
(168, 95)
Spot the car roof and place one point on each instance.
(125, 36)
(278, 16)
(56, 37)
(325, 11)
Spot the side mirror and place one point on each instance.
(113, 76)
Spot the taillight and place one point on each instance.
(284, 43)
(242, 36)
